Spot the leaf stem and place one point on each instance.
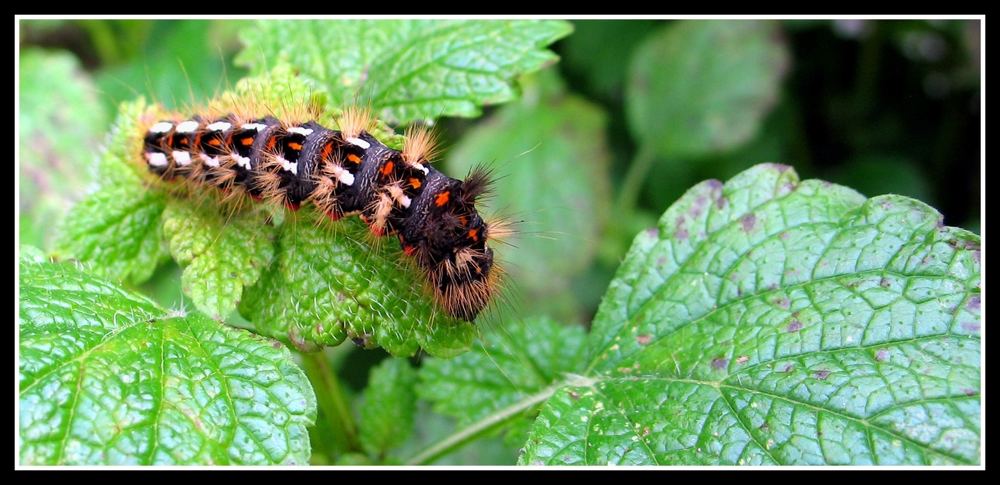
(473, 431)
(634, 179)
(331, 400)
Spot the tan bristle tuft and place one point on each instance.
(323, 196)
(500, 230)
(268, 180)
(354, 120)
(420, 145)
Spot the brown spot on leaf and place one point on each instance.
(881, 355)
(794, 326)
(788, 368)
(821, 374)
(719, 363)
(783, 302)
(653, 232)
(643, 339)
(742, 359)
(749, 221)
(970, 392)
(970, 326)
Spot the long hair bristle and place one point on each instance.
(354, 120)
(477, 184)
(420, 145)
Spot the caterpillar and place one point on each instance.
(343, 172)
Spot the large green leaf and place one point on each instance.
(770, 320)
(60, 114)
(514, 362)
(701, 86)
(107, 377)
(329, 282)
(408, 69)
(389, 406)
(117, 226)
(551, 161)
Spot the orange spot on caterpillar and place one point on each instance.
(271, 142)
(415, 183)
(184, 141)
(354, 158)
(246, 141)
(215, 142)
(387, 168)
(463, 220)
(474, 235)
(441, 199)
(327, 150)
(409, 250)
(295, 146)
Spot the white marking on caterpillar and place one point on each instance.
(254, 126)
(161, 127)
(220, 126)
(187, 127)
(210, 161)
(289, 166)
(421, 167)
(345, 177)
(241, 161)
(405, 202)
(300, 130)
(359, 142)
(156, 159)
(182, 158)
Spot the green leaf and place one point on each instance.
(389, 405)
(60, 115)
(328, 282)
(552, 175)
(514, 363)
(117, 227)
(107, 377)
(408, 69)
(772, 321)
(220, 255)
(698, 86)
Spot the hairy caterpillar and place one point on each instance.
(343, 171)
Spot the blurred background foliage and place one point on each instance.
(598, 146)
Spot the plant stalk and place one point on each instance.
(331, 401)
(473, 431)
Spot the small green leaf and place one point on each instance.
(772, 321)
(107, 377)
(117, 227)
(515, 362)
(699, 86)
(408, 69)
(554, 180)
(220, 255)
(389, 404)
(328, 282)
(60, 115)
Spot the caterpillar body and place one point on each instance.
(344, 171)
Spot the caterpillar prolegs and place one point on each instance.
(344, 171)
